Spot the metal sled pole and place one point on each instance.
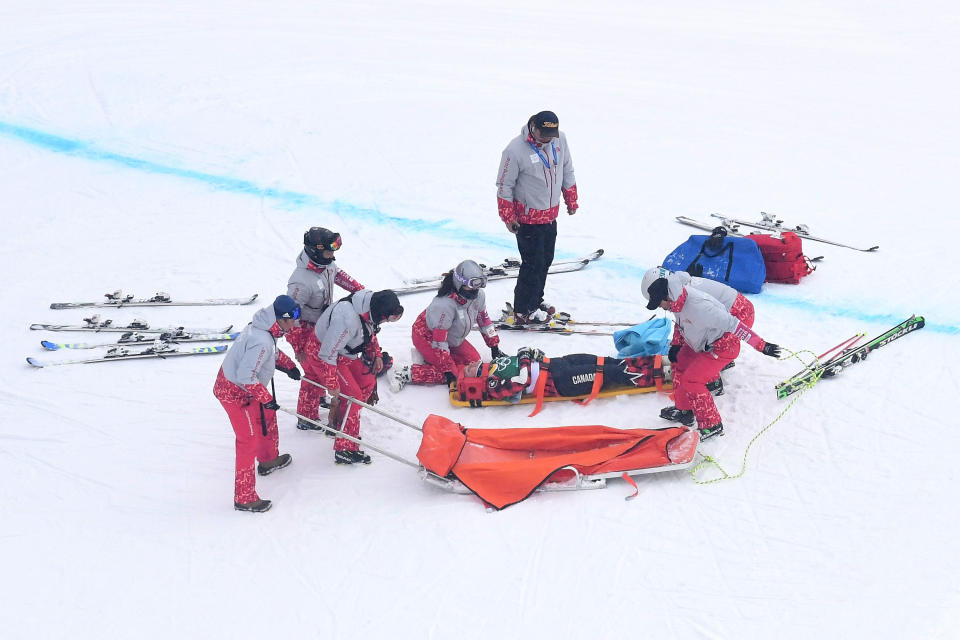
(341, 434)
(370, 407)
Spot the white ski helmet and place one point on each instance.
(651, 276)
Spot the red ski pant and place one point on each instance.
(695, 371)
(357, 381)
(252, 445)
(439, 361)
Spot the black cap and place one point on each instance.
(547, 123)
(658, 293)
(384, 304)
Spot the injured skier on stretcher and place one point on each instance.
(530, 376)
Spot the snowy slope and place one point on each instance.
(166, 146)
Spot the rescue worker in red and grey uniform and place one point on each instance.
(311, 285)
(711, 340)
(241, 389)
(440, 331)
(535, 171)
(733, 301)
(350, 358)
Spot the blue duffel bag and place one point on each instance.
(733, 261)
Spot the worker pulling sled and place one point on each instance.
(505, 466)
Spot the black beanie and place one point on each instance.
(384, 304)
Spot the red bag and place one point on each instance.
(783, 257)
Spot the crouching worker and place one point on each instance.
(350, 359)
(711, 341)
(440, 331)
(531, 376)
(732, 300)
(241, 388)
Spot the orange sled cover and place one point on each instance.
(504, 466)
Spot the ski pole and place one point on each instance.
(849, 342)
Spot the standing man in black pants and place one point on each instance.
(535, 171)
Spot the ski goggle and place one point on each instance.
(333, 246)
(476, 282)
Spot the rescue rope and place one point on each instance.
(709, 460)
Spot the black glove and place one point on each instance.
(495, 352)
(772, 350)
(674, 350)
(449, 377)
(374, 397)
(293, 374)
(272, 405)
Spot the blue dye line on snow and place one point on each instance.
(443, 228)
(293, 199)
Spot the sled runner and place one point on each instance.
(505, 466)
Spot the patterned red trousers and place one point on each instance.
(743, 311)
(357, 381)
(438, 361)
(252, 445)
(692, 373)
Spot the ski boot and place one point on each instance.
(256, 506)
(351, 457)
(709, 432)
(281, 461)
(677, 415)
(716, 387)
(399, 378)
(304, 425)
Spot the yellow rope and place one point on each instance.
(708, 460)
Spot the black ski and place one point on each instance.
(837, 364)
(509, 268)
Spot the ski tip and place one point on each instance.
(56, 305)
(252, 298)
(49, 346)
(33, 362)
(873, 249)
(599, 252)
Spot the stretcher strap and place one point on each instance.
(658, 372)
(539, 389)
(597, 383)
(631, 481)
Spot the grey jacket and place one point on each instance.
(313, 291)
(523, 177)
(253, 355)
(677, 280)
(340, 328)
(703, 320)
(445, 313)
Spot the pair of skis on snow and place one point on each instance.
(160, 342)
(768, 223)
(560, 322)
(509, 268)
(849, 353)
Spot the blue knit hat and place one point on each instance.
(286, 307)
